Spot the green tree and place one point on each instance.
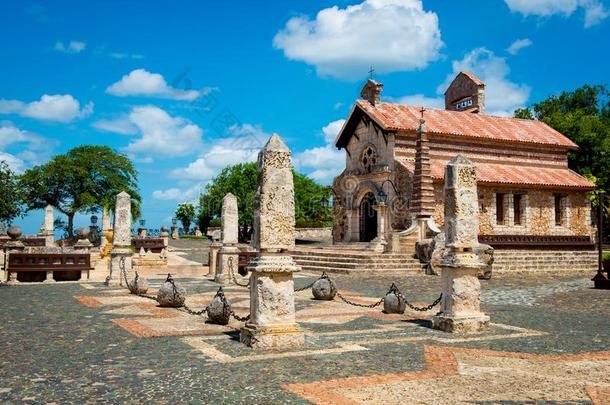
(241, 181)
(583, 115)
(185, 214)
(84, 179)
(10, 194)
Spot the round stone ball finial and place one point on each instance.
(324, 289)
(393, 303)
(83, 233)
(14, 232)
(164, 229)
(171, 294)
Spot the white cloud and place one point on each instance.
(70, 47)
(391, 35)
(502, 96)
(243, 146)
(58, 107)
(594, 10)
(519, 44)
(122, 125)
(140, 82)
(160, 134)
(331, 130)
(421, 100)
(326, 161)
(177, 194)
(14, 163)
(34, 148)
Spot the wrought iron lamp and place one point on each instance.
(93, 220)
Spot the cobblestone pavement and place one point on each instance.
(76, 343)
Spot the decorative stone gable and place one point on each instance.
(465, 93)
(372, 91)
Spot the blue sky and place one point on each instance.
(185, 88)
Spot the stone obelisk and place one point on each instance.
(121, 241)
(228, 255)
(48, 227)
(272, 320)
(460, 305)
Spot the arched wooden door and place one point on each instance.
(368, 218)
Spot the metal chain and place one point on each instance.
(230, 260)
(220, 293)
(308, 286)
(240, 318)
(422, 309)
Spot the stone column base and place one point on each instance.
(115, 278)
(223, 270)
(267, 337)
(460, 325)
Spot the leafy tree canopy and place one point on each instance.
(10, 195)
(84, 179)
(185, 214)
(583, 115)
(241, 181)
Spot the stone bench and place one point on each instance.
(155, 245)
(19, 262)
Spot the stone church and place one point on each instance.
(390, 194)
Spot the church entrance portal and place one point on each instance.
(368, 218)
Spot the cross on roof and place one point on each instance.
(371, 71)
(422, 111)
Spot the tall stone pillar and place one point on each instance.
(121, 240)
(13, 245)
(165, 236)
(380, 242)
(422, 202)
(228, 255)
(48, 227)
(272, 321)
(105, 226)
(460, 305)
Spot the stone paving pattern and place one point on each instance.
(83, 342)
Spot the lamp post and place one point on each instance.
(600, 280)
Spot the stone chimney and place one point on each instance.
(465, 93)
(372, 91)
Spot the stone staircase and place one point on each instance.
(349, 260)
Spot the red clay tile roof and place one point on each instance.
(472, 77)
(514, 175)
(400, 117)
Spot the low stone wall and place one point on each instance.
(544, 260)
(149, 261)
(317, 234)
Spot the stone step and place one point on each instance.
(357, 259)
(360, 270)
(359, 265)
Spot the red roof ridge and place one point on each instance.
(400, 117)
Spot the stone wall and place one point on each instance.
(514, 261)
(314, 234)
(538, 212)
